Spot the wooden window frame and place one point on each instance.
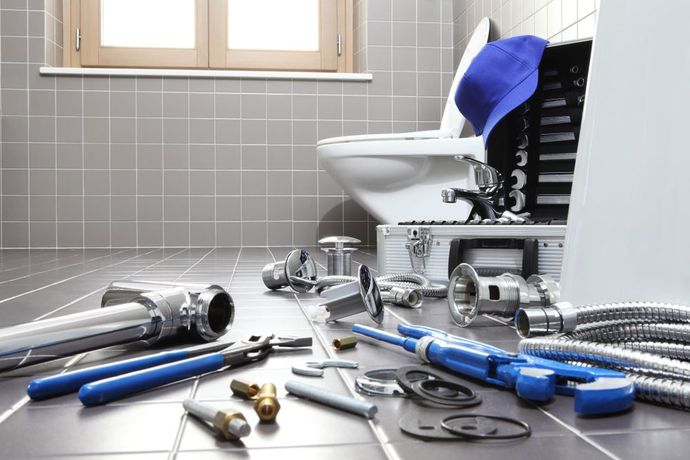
(93, 54)
(211, 41)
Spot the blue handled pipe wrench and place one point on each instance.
(597, 391)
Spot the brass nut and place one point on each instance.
(345, 343)
(223, 420)
(267, 406)
(244, 389)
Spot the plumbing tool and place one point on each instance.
(230, 423)
(520, 179)
(470, 295)
(295, 271)
(315, 368)
(596, 391)
(267, 405)
(521, 156)
(136, 311)
(379, 382)
(355, 297)
(548, 138)
(328, 398)
(106, 382)
(339, 257)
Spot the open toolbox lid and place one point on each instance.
(535, 146)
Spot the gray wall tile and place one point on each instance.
(151, 161)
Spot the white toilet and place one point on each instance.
(399, 177)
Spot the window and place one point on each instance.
(307, 35)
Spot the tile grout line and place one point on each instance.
(25, 400)
(60, 268)
(183, 420)
(384, 442)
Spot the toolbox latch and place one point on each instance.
(418, 246)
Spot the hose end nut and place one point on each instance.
(267, 405)
(233, 425)
(344, 343)
(244, 389)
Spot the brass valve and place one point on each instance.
(267, 406)
(244, 389)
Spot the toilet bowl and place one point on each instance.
(399, 177)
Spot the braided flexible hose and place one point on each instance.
(631, 331)
(403, 280)
(666, 349)
(641, 311)
(605, 355)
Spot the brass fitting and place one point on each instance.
(267, 405)
(345, 343)
(244, 389)
(233, 425)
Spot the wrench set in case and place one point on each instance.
(534, 149)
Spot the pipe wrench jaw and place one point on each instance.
(605, 395)
(535, 384)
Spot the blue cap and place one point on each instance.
(503, 75)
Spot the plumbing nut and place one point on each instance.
(267, 405)
(344, 343)
(233, 425)
(244, 389)
(403, 297)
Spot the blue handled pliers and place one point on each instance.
(107, 382)
(596, 390)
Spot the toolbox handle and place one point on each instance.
(529, 246)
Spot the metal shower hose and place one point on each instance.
(386, 282)
(648, 341)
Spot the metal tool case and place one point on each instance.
(534, 148)
(491, 249)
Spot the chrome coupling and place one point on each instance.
(559, 318)
(470, 295)
(339, 257)
(298, 271)
(361, 295)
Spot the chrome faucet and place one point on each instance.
(489, 183)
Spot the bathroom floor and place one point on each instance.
(47, 283)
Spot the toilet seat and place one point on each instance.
(414, 135)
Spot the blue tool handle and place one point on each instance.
(70, 382)
(110, 389)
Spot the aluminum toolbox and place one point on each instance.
(492, 249)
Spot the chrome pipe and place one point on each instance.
(147, 317)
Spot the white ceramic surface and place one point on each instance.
(629, 210)
(399, 177)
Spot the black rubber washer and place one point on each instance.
(428, 389)
(405, 378)
(526, 430)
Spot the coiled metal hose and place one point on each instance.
(648, 341)
(386, 282)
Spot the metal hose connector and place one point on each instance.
(564, 317)
(626, 331)
(605, 355)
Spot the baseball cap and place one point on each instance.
(503, 75)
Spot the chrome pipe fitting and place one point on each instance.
(173, 311)
(470, 295)
(409, 298)
(349, 299)
(298, 271)
(339, 257)
(204, 311)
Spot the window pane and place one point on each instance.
(273, 25)
(148, 23)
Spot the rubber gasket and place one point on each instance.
(403, 376)
(527, 431)
(425, 389)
